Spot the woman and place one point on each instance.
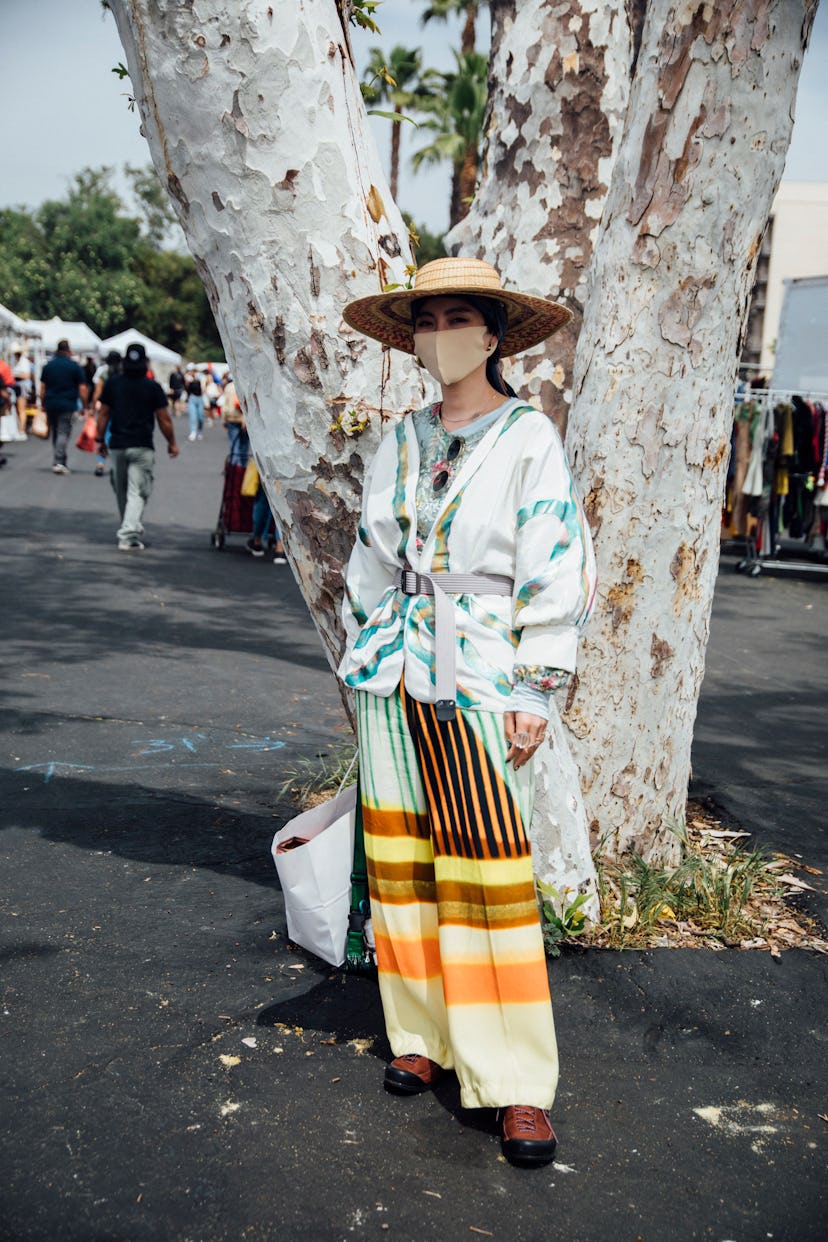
(471, 576)
(195, 407)
(233, 416)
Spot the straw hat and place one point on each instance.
(387, 316)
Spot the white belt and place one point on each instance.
(410, 582)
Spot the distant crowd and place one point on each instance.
(202, 391)
(117, 403)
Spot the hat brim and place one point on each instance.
(387, 316)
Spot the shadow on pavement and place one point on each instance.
(144, 824)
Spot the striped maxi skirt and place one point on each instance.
(462, 970)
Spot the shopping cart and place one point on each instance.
(236, 512)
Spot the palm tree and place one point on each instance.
(457, 122)
(401, 81)
(441, 10)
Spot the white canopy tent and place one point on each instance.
(16, 331)
(9, 322)
(81, 338)
(155, 352)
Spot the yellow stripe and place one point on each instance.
(398, 849)
(489, 872)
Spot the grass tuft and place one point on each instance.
(720, 894)
(312, 781)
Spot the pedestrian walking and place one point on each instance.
(470, 579)
(63, 389)
(176, 390)
(131, 404)
(264, 525)
(237, 438)
(23, 380)
(195, 407)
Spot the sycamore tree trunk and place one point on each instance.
(703, 150)
(559, 77)
(257, 129)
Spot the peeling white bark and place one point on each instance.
(257, 128)
(559, 78)
(708, 127)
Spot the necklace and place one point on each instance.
(464, 422)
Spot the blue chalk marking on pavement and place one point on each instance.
(51, 766)
(261, 744)
(155, 746)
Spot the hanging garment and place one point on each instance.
(752, 485)
(741, 459)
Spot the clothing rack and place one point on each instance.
(804, 560)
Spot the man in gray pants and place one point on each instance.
(63, 389)
(133, 404)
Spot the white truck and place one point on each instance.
(800, 361)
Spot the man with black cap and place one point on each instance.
(63, 389)
(133, 404)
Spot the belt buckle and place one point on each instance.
(407, 587)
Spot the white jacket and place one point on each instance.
(512, 510)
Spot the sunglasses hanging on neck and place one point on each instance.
(453, 452)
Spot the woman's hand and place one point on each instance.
(524, 733)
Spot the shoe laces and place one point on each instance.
(524, 1118)
(410, 1057)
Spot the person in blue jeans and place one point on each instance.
(262, 521)
(195, 408)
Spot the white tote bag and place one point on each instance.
(316, 875)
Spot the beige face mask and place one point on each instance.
(452, 354)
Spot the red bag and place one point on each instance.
(88, 436)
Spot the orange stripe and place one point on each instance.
(486, 983)
(394, 822)
(412, 959)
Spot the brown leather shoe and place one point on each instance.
(528, 1137)
(411, 1074)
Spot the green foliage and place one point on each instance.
(398, 79)
(88, 257)
(313, 780)
(563, 919)
(362, 14)
(425, 244)
(710, 891)
(457, 113)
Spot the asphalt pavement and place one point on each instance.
(172, 1068)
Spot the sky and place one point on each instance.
(62, 109)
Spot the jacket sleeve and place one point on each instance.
(367, 577)
(554, 560)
